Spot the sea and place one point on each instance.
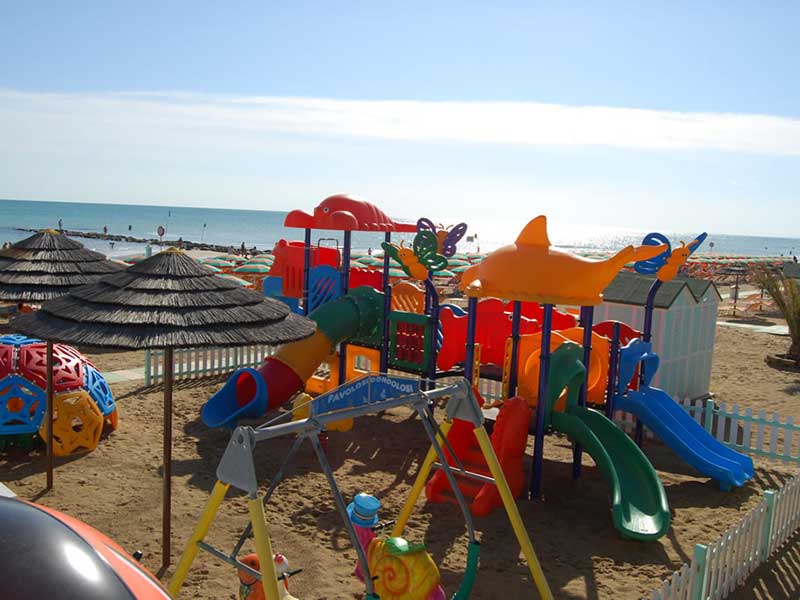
(263, 228)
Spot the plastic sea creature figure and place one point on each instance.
(531, 269)
(346, 213)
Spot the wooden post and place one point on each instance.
(166, 499)
(50, 407)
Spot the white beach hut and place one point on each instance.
(684, 326)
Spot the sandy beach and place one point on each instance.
(117, 489)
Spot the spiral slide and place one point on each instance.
(639, 503)
(249, 393)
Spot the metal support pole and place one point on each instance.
(587, 319)
(647, 332)
(342, 506)
(544, 374)
(306, 270)
(166, 497)
(50, 413)
(387, 306)
(613, 371)
(469, 355)
(516, 317)
(419, 483)
(451, 478)
(345, 288)
(434, 328)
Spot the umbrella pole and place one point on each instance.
(50, 459)
(166, 507)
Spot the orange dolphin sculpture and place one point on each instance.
(530, 269)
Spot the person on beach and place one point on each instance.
(105, 230)
(243, 249)
(60, 225)
(369, 251)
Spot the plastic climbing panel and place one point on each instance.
(77, 423)
(6, 360)
(408, 297)
(410, 341)
(98, 389)
(22, 405)
(67, 366)
(324, 285)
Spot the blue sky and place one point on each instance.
(680, 116)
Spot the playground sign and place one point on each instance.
(366, 390)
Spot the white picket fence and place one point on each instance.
(194, 363)
(770, 436)
(719, 568)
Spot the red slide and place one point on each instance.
(509, 437)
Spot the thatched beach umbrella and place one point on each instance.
(167, 301)
(47, 265)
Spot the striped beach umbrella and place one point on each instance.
(217, 262)
(252, 268)
(443, 273)
(236, 280)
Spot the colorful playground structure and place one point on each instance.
(558, 374)
(83, 405)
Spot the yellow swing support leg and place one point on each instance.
(419, 484)
(269, 578)
(513, 513)
(200, 531)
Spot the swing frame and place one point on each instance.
(237, 469)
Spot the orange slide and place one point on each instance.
(528, 370)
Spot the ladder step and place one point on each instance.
(467, 474)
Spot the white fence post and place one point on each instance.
(148, 377)
(699, 572)
(708, 423)
(766, 539)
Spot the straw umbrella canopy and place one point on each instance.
(47, 265)
(165, 302)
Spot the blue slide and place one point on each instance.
(677, 429)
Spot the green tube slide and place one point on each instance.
(639, 504)
(354, 315)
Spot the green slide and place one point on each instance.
(639, 503)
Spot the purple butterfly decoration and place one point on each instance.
(447, 238)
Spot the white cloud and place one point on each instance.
(172, 119)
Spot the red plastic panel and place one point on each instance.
(6, 360)
(288, 264)
(371, 278)
(67, 367)
(492, 330)
(533, 310)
